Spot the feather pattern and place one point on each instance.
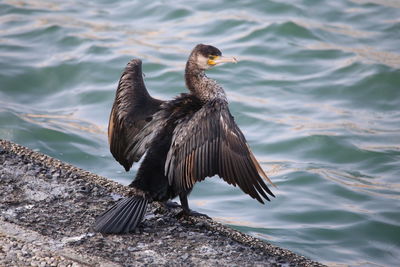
(132, 110)
(210, 143)
(123, 217)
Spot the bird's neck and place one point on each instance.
(201, 86)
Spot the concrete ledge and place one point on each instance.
(48, 208)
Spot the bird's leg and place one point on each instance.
(185, 206)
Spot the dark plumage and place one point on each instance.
(132, 109)
(186, 139)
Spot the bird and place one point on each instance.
(183, 141)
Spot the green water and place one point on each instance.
(316, 93)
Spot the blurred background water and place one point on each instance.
(316, 93)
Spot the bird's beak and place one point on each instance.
(222, 59)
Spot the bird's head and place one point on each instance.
(207, 56)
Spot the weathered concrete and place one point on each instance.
(48, 208)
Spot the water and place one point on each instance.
(316, 93)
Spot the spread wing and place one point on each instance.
(210, 143)
(163, 122)
(132, 109)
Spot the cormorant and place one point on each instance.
(187, 139)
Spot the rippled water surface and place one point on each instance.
(316, 93)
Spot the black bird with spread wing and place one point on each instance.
(185, 140)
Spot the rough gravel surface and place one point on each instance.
(47, 210)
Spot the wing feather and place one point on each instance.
(132, 109)
(210, 143)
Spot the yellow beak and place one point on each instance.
(221, 59)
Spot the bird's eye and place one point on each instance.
(211, 57)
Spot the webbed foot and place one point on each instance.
(185, 207)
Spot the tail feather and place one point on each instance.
(119, 221)
(123, 217)
(139, 213)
